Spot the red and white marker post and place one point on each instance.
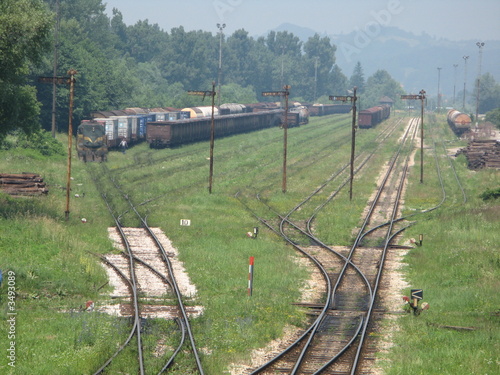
(250, 276)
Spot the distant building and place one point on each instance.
(386, 100)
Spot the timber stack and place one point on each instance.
(482, 154)
(22, 184)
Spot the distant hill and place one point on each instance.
(411, 59)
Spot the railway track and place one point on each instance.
(136, 269)
(331, 344)
(345, 316)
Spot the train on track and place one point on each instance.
(369, 118)
(166, 127)
(459, 122)
(91, 143)
(328, 109)
(161, 134)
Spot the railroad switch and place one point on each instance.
(412, 305)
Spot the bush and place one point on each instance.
(490, 194)
(40, 141)
(494, 117)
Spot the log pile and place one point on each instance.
(482, 154)
(22, 184)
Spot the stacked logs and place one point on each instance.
(22, 184)
(482, 154)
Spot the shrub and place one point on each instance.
(490, 194)
(40, 141)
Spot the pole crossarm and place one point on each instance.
(202, 93)
(342, 98)
(412, 97)
(56, 80)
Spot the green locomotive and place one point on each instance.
(91, 141)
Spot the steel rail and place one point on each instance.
(316, 324)
(134, 289)
(132, 331)
(171, 275)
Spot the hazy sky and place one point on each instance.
(451, 19)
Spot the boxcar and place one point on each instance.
(328, 109)
(111, 129)
(370, 117)
(173, 133)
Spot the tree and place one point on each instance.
(241, 62)
(378, 85)
(489, 96)
(145, 42)
(358, 78)
(318, 60)
(25, 27)
(494, 117)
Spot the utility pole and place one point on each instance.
(285, 93)
(56, 46)
(212, 131)
(465, 79)
(315, 78)
(220, 27)
(421, 97)
(283, 49)
(455, 66)
(439, 93)
(352, 98)
(480, 45)
(72, 81)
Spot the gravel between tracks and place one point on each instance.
(392, 284)
(150, 285)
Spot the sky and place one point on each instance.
(450, 19)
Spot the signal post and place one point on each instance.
(285, 93)
(212, 131)
(351, 98)
(71, 82)
(421, 97)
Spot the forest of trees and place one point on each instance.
(142, 65)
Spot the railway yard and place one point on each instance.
(331, 271)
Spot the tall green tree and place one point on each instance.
(494, 117)
(378, 85)
(25, 27)
(358, 78)
(319, 60)
(489, 94)
(241, 59)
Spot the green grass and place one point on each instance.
(55, 273)
(458, 267)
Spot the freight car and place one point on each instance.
(369, 118)
(130, 124)
(206, 111)
(173, 133)
(328, 109)
(459, 122)
(303, 114)
(91, 142)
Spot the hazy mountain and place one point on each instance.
(411, 59)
